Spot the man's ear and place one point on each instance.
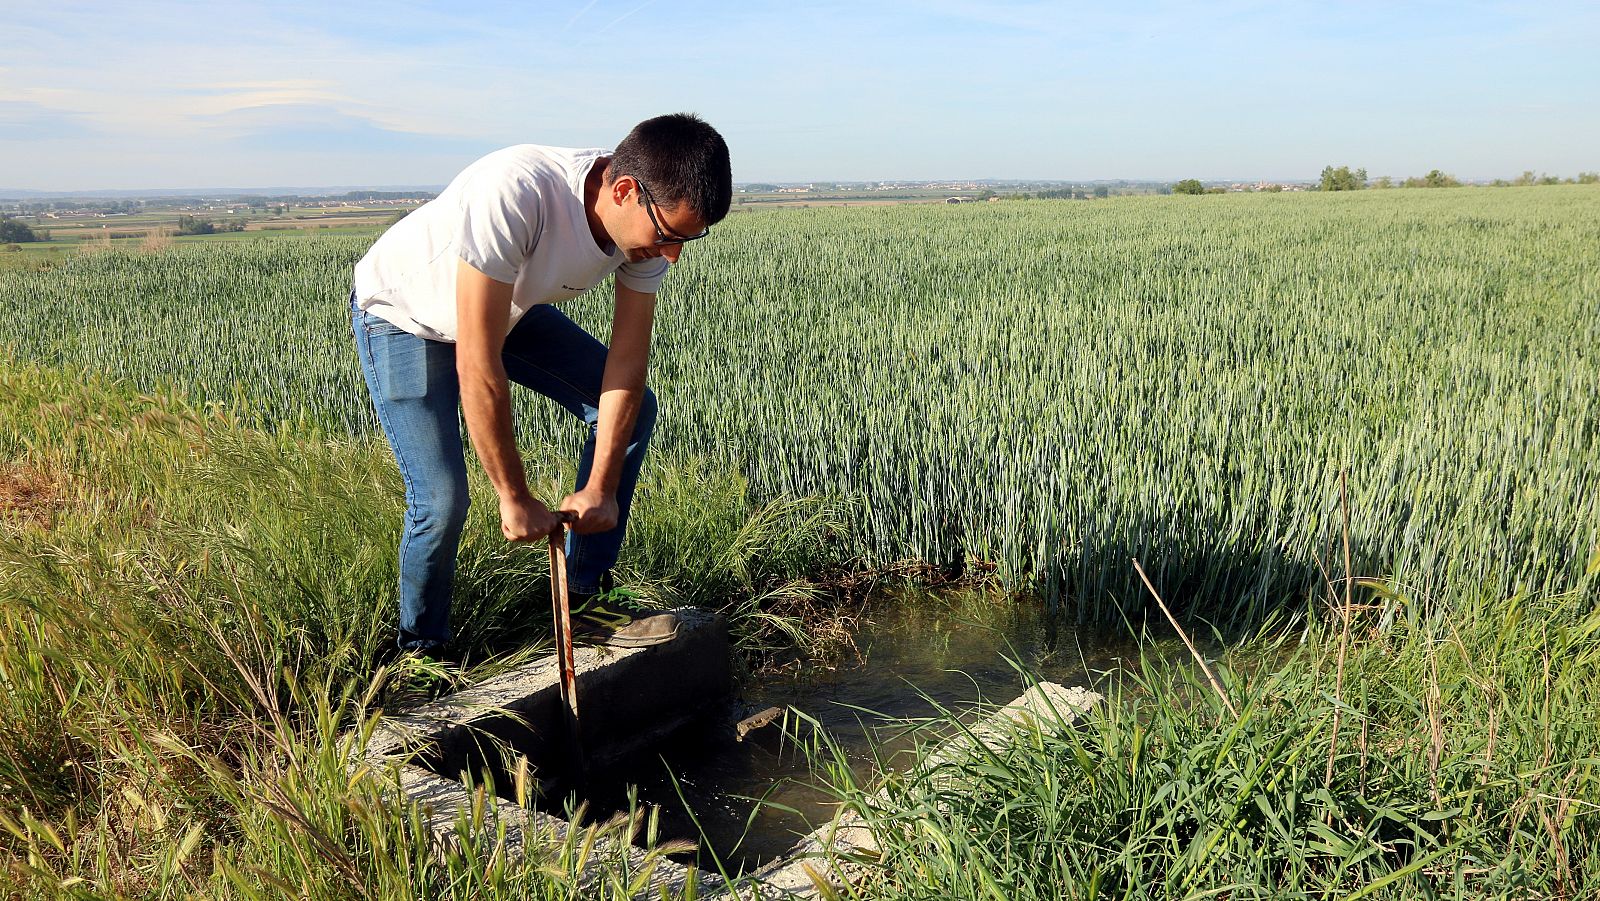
(622, 187)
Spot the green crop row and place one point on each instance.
(1053, 388)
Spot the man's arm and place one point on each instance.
(621, 392)
(483, 307)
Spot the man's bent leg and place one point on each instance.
(590, 557)
(554, 356)
(416, 393)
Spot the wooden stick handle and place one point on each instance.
(562, 610)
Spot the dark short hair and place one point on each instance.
(681, 160)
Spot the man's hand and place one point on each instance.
(524, 519)
(595, 510)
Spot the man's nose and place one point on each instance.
(671, 251)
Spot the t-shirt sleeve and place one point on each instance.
(499, 224)
(644, 276)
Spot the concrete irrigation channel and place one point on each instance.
(634, 700)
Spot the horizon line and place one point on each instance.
(18, 193)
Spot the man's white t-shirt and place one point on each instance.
(517, 216)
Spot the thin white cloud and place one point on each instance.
(217, 104)
(22, 120)
(624, 17)
(579, 14)
(289, 84)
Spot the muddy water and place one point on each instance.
(918, 652)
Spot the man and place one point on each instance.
(457, 299)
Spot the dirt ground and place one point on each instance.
(28, 495)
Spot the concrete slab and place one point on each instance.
(451, 809)
(629, 699)
(829, 857)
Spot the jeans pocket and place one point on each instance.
(405, 369)
(399, 360)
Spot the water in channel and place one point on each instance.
(918, 651)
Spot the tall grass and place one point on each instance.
(1051, 387)
(192, 609)
(1467, 765)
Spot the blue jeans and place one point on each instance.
(414, 387)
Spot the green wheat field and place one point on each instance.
(1049, 387)
(1036, 391)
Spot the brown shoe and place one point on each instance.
(645, 631)
(616, 618)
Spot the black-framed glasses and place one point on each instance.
(664, 237)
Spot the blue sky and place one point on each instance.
(169, 93)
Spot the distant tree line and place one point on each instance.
(101, 206)
(1193, 186)
(1072, 193)
(385, 195)
(1528, 178)
(191, 225)
(1434, 179)
(1343, 179)
(13, 231)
